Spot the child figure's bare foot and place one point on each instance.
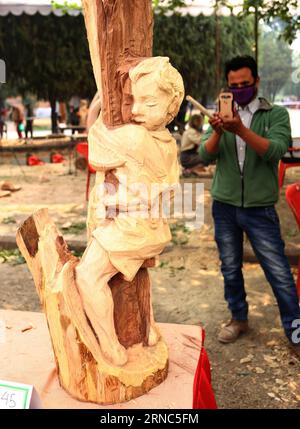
(117, 355)
(154, 335)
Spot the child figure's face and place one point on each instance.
(151, 105)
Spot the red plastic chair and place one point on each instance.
(293, 198)
(83, 149)
(288, 162)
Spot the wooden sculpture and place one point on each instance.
(106, 344)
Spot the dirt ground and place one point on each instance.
(257, 372)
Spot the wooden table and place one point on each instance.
(27, 357)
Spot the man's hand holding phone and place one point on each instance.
(234, 125)
(217, 123)
(228, 114)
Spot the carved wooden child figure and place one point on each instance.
(142, 156)
(92, 312)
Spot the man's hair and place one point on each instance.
(240, 62)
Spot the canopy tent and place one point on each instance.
(44, 7)
(31, 7)
(207, 7)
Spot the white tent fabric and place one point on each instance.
(207, 7)
(30, 7)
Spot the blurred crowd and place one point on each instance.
(74, 115)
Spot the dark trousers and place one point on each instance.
(261, 224)
(18, 128)
(29, 128)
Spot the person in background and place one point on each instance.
(245, 189)
(178, 123)
(29, 120)
(191, 161)
(18, 118)
(62, 116)
(83, 113)
(2, 121)
(73, 118)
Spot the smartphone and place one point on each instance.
(226, 105)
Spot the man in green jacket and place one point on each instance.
(247, 150)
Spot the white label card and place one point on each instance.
(14, 396)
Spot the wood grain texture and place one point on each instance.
(132, 308)
(81, 367)
(124, 36)
(120, 34)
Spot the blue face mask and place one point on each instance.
(244, 95)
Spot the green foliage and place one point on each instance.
(165, 6)
(292, 232)
(66, 6)
(8, 220)
(275, 64)
(292, 86)
(75, 228)
(12, 257)
(189, 41)
(270, 10)
(180, 233)
(47, 56)
(159, 6)
(77, 253)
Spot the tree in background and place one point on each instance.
(292, 86)
(47, 56)
(159, 6)
(189, 41)
(275, 61)
(270, 10)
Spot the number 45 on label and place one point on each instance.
(15, 396)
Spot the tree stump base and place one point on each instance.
(82, 369)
